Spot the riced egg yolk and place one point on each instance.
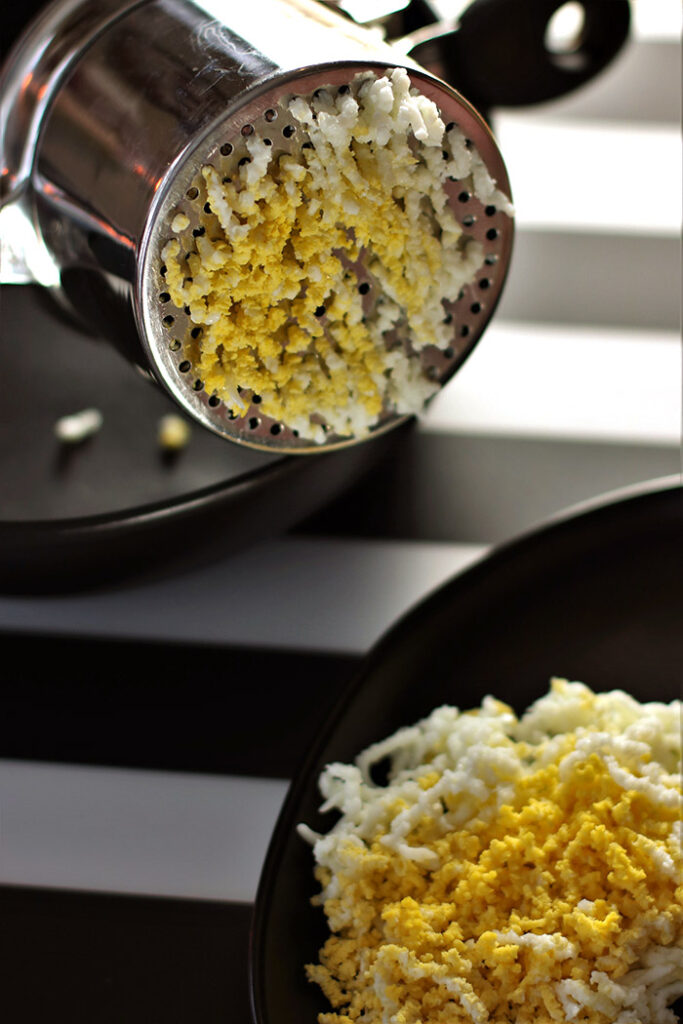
(534, 909)
(312, 277)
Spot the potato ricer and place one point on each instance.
(286, 218)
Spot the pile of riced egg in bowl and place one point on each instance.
(317, 278)
(508, 869)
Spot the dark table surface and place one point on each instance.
(94, 956)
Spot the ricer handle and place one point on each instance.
(496, 53)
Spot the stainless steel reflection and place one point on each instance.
(106, 102)
(102, 98)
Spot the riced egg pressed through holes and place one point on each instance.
(510, 870)
(315, 280)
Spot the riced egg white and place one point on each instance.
(275, 282)
(512, 870)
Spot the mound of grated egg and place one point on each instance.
(511, 870)
(277, 284)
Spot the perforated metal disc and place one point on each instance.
(172, 338)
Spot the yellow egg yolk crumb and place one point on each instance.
(315, 280)
(558, 890)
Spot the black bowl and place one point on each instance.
(595, 596)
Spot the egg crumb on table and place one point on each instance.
(510, 870)
(317, 277)
(78, 426)
(173, 432)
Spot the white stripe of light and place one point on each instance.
(542, 380)
(597, 177)
(657, 20)
(130, 831)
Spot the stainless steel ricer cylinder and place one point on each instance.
(108, 111)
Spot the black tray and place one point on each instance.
(115, 505)
(595, 597)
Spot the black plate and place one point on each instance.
(596, 596)
(115, 506)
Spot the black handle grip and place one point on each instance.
(499, 56)
(15, 18)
